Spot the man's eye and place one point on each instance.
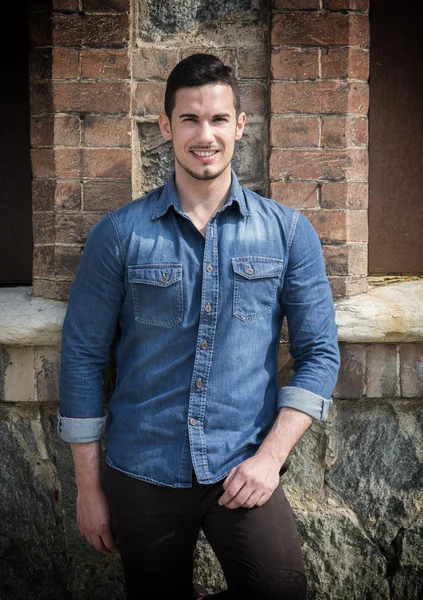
(187, 119)
(221, 119)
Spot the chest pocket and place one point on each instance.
(256, 280)
(157, 293)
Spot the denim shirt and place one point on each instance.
(198, 321)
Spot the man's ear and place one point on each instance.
(165, 127)
(240, 124)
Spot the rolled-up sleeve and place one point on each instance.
(88, 331)
(309, 309)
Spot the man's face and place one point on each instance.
(203, 130)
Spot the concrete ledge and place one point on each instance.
(387, 313)
(29, 321)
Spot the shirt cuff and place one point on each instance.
(80, 430)
(305, 401)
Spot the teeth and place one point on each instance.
(208, 153)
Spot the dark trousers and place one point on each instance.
(157, 528)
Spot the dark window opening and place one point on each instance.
(395, 139)
(15, 166)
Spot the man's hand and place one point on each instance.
(252, 482)
(93, 518)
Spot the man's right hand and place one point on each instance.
(94, 519)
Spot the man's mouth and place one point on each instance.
(204, 153)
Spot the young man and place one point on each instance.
(197, 277)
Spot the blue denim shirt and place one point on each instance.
(199, 322)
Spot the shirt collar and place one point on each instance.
(169, 197)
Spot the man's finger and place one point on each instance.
(109, 542)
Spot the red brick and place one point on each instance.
(411, 359)
(40, 99)
(296, 4)
(362, 5)
(310, 29)
(106, 5)
(106, 163)
(253, 98)
(66, 260)
(66, 5)
(97, 31)
(351, 374)
(345, 260)
(319, 97)
(295, 194)
(43, 227)
(67, 131)
(43, 191)
(294, 132)
(107, 131)
(295, 63)
(105, 64)
(42, 132)
(111, 98)
(381, 371)
(40, 64)
(106, 195)
(65, 63)
(348, 286)
(73, 227)
(331, 225)
(153, 62)
(357, 226)
(68, 163)
(319, 164)
(149, 98)
(342, 132)
(47, 288)
(42, 161)
(345, 63)
(39, 29)
(43, 261)
(252, 62)
(353, 196)
(68, 195)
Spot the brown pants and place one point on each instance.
(157, 529)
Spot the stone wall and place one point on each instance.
(98, 72)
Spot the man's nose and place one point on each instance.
(205, 133)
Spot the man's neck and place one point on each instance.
(202, 198)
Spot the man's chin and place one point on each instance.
(203, 173)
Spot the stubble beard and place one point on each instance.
(206, 176)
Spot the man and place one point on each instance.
(197, 276)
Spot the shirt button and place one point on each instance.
(204, 345)
(208, 307)
(192, 421)
(164, 278)
(199, 383)
(249, 270)
(209, 268)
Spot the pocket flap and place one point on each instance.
(256, 267)
(162, 275)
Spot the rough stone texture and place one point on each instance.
(389, 313)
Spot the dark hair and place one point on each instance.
(196, 70)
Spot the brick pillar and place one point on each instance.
(81, 130)
(318, 126)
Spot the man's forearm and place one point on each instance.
(288, 428)
(86, 459)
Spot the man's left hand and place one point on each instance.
(251, 483)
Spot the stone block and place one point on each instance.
(90, 30)
(295, 194)
(106, 195)
(411, 370)
(295, 63)
(68, 195)
(381, 371)
(18, 378)
(47, 365)
(351, 374)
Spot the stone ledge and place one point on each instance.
(388, 313)
(29, 321)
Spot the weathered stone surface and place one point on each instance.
(18, 377)
(388, 313)
(406, 576)
(29, 321)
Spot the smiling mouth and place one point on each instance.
(204, 153)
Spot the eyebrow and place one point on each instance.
(196, 116)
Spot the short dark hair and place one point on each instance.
(196, 70)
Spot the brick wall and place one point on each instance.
(318, 126)
(80, 132)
